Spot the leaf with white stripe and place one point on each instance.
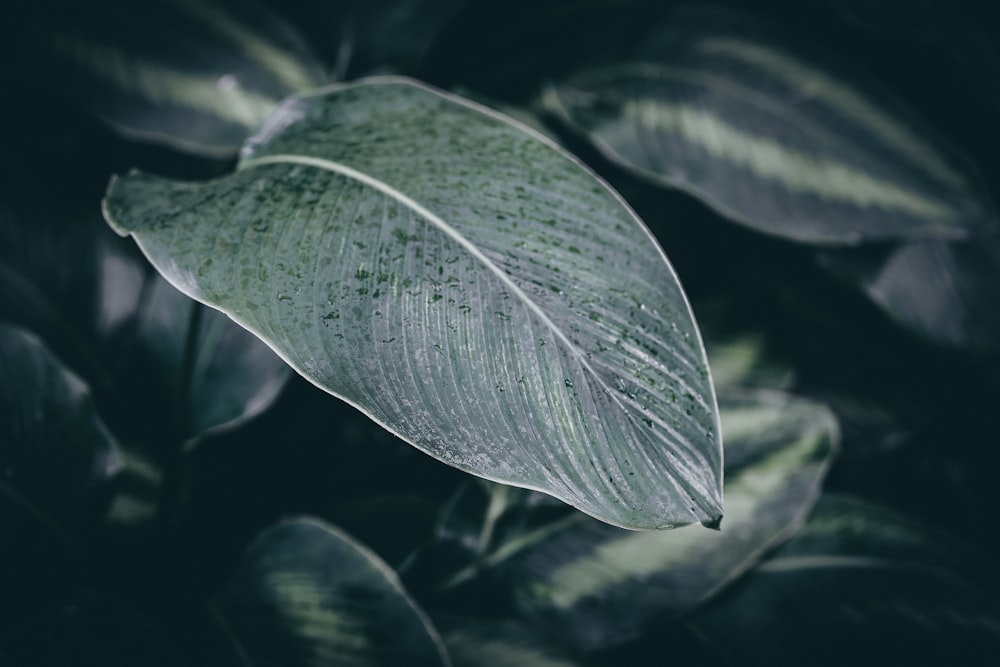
(507, 643)
(196, 75)
(465, 283)
(305, 594)
(597, 585)
(773, 139)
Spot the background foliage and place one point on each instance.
(170, 494)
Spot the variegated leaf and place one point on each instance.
(773, 138)
(196, 75)
(596, 585)
(505, 643)
(307, 595)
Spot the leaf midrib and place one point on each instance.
(451, 232)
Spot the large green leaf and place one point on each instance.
(596, 585)
(866, 584)
(196, 75)
(57, 457)
(462, 281)
(773, 138)
(307, 594)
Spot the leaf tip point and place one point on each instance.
(714, 523)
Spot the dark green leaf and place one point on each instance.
(391, 35)
(172, 368)
(500, 644)
(221, 375)
(944, 292)
(868, 586)
(596, 585)
(56, 456)
(307, 594)
(779, 141)
(462, 281)
(196, 75)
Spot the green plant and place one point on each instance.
(449, 215)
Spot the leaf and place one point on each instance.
(742, 360)
(944, 292)
(387, 35)
(464, 283)
(865, 584)
(307, 594)
(195, 75)
(221, 375)
(596, 585)
(57, 458)
(772, 138)
(505, 643)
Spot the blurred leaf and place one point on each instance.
(307, 594)
(178, 369)
(927, 20)
(463, 282)
(742, 360)
(86, 628)
(392, 35)
(596, 585)
(221, 374)
(865, 584)
(731, 112)
(51, 258)
(944, 292)
(501, 644)
(57, 458)
(195, 75)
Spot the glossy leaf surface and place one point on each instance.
(596, 585)
(772, 138)
(462, 281)
(307, 594)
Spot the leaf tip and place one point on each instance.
(715, 522)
